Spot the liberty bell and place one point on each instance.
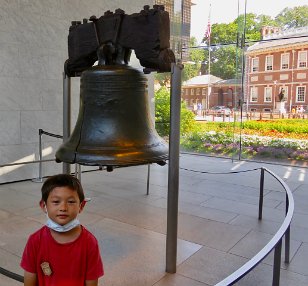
(114, 125)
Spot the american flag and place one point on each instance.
(207, 35)
(208, 30)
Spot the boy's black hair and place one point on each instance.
(62, 180)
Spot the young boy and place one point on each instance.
(63, 252)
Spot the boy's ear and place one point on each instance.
(84, 203)
(43, 206)
(82, 206)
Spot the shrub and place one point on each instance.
(162, 114)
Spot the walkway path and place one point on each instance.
(218, 226)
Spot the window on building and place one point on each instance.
(302, 59)
(268, 94)
(253, 94)
(203, 91)
(187, 91)
(300, 93)
(192, 91)
(269, 63)
(285, 59)
(255, 65)
(198, 91)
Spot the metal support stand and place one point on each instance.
(173, 172)
(66, 115)
(148, 180)
(287, 236)
(261, 194)
(78, 171)
(40, 177)
(277, 262)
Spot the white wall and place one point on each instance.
(33, 48)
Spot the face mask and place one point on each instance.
(61, 228)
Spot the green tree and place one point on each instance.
(225, 62)
(293, 17)
(196, 58)
(223, 33)
(162, 114)
(226, 43)
(265, 20)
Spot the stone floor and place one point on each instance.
(218, 228)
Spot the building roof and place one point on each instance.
(232, 81)
(201, 80)
(286, 38)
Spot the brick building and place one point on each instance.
(196, 91)
(276, 65)
(227, 93)
(221, 92)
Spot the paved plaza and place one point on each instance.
(218, 227)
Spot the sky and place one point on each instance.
(225, 11)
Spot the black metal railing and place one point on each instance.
(41, 132)
(40, 160)
(275, 243)
(11, 275)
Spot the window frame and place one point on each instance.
(302, 94)
(302, 60)
(269, 63)
(253, 94)
(266, 95)
(255, 62)
(285, 61)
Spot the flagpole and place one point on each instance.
(209, 77)
(209, 54)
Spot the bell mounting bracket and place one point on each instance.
(110, 39)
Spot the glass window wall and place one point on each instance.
(245, 77)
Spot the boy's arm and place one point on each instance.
(91, 283)
(30, 279)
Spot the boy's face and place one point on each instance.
(63, 205)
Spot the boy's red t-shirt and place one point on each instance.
(71, 263)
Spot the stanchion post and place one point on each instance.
(173, 171)
(40, 177)
(277, 262)
(148, 179)
(66, 115)
(261, 194)
(40, 155)
(287, 236)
